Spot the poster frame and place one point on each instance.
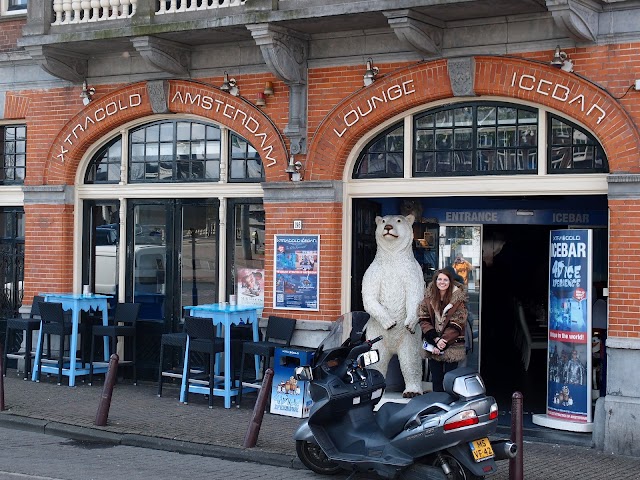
(286, 273)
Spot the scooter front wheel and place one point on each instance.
(312, 457)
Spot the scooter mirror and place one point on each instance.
(368, 358)
(303, 373)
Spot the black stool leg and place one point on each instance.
(61, 358)
(27, 353)
(134, 365)
(212, 361)
(6, 350)
(93, 341)
(242, 355)
(160, 369)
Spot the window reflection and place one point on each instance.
(384, 157)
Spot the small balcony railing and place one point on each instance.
(86, 11)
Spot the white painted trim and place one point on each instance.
(11, 196)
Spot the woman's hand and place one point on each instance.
(441, 344)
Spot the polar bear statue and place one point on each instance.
(392, 289)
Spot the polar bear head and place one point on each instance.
(394, 233)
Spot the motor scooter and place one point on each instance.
(437, 435)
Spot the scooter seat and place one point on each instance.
(392, 417)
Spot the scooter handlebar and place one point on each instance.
(365, 347)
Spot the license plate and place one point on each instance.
(481, 449)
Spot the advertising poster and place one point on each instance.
(250, 286)
(570, 299)
(297, 261)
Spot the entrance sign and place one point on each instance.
(569, 354)
(297, 262)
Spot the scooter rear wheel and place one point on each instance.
(312, 457)
(458, 471)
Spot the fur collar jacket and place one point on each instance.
(446, 322)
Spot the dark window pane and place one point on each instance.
(384, 156)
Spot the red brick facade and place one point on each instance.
(339, 115)
(10, 31)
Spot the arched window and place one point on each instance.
(383, 157)
(177, 151)
(476, 139)
(572, 150)
(482, 138)
(105, 165)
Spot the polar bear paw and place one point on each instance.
(410, 394)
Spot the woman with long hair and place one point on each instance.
(443, 317)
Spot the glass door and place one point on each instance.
(199, 247)
(174, 257)
(461, 248)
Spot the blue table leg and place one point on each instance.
(105, 322)
(227, 361)
(184, 385)
(73, 347)
(36, 361)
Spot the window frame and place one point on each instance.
(492, 152)
(592, 141)
(6, 9)
(4, 154)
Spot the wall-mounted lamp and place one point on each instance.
(293, 169)
(268, 88)
(260, 100)
(561, 60)
(230, 85)
(370, 74)
(87, 93)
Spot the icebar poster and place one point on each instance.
(297, 262)
(570, 300)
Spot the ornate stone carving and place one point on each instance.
(158, 91)
(170, 57)
(461, 76)
(285, 53)
(59, 63)
(578, 17)
(418, 32)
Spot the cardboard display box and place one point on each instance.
(289, 396)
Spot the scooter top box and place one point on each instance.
(290, 396)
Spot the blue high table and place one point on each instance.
(223, 316)
(76, 303)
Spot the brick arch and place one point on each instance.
(185, 97)
(513, 78)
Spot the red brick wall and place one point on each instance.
(624, 268)
(332, 92)
(324, 219)
(48, 255)
(10, 31)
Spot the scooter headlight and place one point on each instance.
(462, 419)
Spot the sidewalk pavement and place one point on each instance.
(138, 417)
